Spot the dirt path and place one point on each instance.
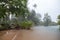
(29, 35)
(9, 35)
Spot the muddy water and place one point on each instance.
(36, 33)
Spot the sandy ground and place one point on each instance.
(34, 34)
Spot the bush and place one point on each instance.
(59, 22)
(4, 26)
(17, 25)
(12, 26)
(26, 24)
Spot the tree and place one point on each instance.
(58, 16)
(59, 19)
(18, 7)
(47, 19)
(33, 17)
(34, 5)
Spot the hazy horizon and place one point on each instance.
(52, 7)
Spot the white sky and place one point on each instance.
(46, 6)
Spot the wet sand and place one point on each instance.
(33, 34)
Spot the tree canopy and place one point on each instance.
(47, 19)
(18, 7)
(33, 16)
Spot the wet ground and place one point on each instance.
(36, 33)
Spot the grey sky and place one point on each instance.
(46, 6)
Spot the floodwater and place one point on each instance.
(36, 33)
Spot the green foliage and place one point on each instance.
(18, 7)
(26, 24)
(53, 24)
(34, 17)
(4, 26)
(59, 19)
(58, 16)
(47, 19)
(59, 22)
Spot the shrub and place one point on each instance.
(12, 26)
(4, 26)
(26, 24)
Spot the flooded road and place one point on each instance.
(36, 33)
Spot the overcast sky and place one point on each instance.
(52, 7)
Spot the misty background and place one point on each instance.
(52, 7)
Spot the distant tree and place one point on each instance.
(53, 24)
(58, 16)
(47, 19)
(34, 17)
(38, 15)
(34, 5)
